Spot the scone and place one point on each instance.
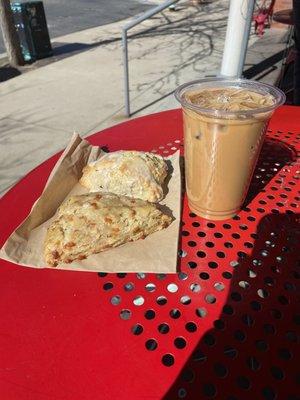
(128, 173)
(93, 222)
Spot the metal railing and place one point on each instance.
(125, 29)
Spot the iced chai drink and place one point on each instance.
(224, 128)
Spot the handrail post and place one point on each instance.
(125, 29)
(126, 72)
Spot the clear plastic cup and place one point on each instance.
(222, 146)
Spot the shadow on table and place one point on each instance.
(275, 154)
(252, 348)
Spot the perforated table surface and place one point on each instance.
(225, 327)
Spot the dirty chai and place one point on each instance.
(222, 146)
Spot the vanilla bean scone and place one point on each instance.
(129, 173)
(93, 222)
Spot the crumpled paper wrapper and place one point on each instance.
(157, 253)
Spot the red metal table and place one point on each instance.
(226, 326)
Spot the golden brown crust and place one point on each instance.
(130, 173)
(81, 229)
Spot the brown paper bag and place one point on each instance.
(157, 253)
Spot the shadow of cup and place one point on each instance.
(273, 157)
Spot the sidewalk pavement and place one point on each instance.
(81, 88)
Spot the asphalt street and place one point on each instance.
(68, 16)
